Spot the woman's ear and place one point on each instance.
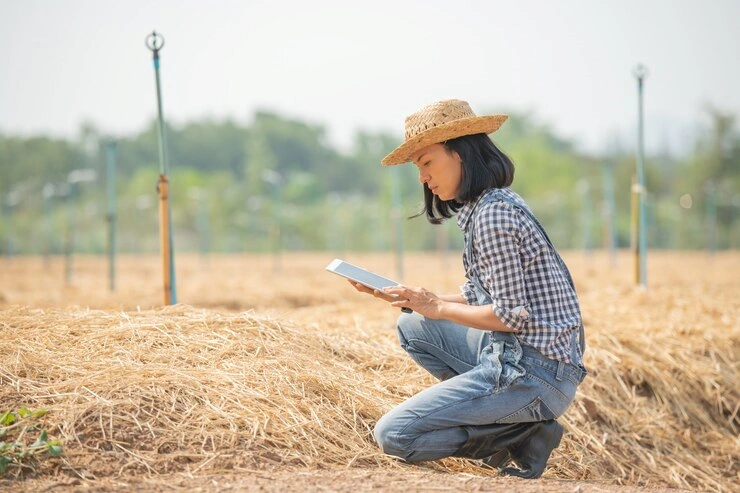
(456, 156)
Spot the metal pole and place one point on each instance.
(585, 189)
(111, 216)
(69, 240)
(634, 220)
(711, 191)
(396, 192)
(640, 73)
(443, 244)
(609, 211)
(75, 178)
(48, 194)
(336, 243)
(279, 225)
(201, 223)
(155, 42)
(7, 206)
(275, 180)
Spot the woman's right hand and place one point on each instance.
(374, 292)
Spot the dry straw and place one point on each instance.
(183, 389)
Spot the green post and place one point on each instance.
(584, 188)
(274, 179)
(110, 153)
(711, 191)
(69, 234)
(11, 201)
(396, 193)
(609, 211)
(202, 228)
(74, 180)
(48, 193)
(202, 225)
(335, 237)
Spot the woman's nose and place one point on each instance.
(423, 177)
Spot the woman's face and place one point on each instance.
(440, 170)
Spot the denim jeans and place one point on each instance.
(486, 378)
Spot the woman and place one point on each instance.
(507, 350)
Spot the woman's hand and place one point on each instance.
(420, 300)
(452, 307)
(417, 299)
(374, 292)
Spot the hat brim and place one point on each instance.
(458, 128)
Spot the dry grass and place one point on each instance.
(253, 370)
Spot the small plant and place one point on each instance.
(23, 440)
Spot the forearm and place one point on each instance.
(449, 307)
(477, 317)
(452, 298)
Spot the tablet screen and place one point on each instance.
(359, 274)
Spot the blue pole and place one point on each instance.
(640, 73)
(155, 42)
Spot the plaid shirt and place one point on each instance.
(512, 261)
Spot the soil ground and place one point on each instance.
(413, 480)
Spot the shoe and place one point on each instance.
(499, 459)
(492, 442)
(531, 454)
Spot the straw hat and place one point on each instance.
(439, 122)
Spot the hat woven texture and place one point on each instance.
(439, 122)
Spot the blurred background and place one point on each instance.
(278, 113)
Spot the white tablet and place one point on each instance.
(358, 274)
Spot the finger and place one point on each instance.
(400, 303)
(395, 290)
(384, 296)
(361, 287)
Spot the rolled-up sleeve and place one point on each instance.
(498, 236)
(468, 292)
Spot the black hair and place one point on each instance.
(484, 166)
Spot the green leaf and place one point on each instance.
(42, 439)
(7, 418)
(55, 450)
(4, 461)
(24, 412)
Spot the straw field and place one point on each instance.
(270, 373)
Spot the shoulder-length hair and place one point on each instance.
(484, 166)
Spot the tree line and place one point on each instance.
(278, 183)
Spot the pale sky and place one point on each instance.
(350, 65)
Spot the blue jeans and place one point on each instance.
(486, 378)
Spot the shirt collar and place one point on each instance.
(466, 211)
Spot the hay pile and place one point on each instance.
(199, 391)
(178, 388)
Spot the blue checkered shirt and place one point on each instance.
(515, 265)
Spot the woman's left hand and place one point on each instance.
(420, 300)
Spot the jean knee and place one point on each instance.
(381, 433)
(387, 437)
(407, 325)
